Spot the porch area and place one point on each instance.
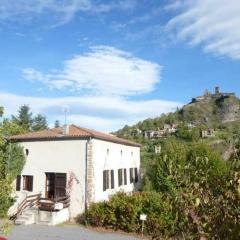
(35, 209)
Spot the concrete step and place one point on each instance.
(26, 218)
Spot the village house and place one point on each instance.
(68, 168)
(207, 133)
(160, 133)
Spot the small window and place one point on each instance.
(121, 152)
(28, 183)
(108, 179)
(26, 152)
(107, 151)
(131, 153)
(18, 183)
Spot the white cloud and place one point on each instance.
(101, 113)
(213, 24)
(104, 70)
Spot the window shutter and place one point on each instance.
(112, 179)
(18, 183)
(119, 177)
(30, 187)
(107, 179)
(125, 176)
(136, 174)
(104, 180)
(131, 175)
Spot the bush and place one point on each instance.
(122, 212)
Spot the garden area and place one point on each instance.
(188, 192)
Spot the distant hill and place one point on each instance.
(212, 117)
(212, 108)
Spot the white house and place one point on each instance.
(86, 165)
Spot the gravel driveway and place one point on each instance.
(37, 232)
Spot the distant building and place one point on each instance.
(208, 133)
(208, 95)
(158, 149)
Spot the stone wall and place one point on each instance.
(90, 174)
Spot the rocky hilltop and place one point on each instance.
(212, 108)
(213, 118)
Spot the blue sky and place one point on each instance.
(113, 63)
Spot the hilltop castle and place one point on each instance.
(208, 95)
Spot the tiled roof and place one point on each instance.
(75, 132)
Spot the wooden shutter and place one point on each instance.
(30, 184)
(60, 184)
(131, 175)
(136, 174)
(119, 177)
(18, 183)
(112, 179)
(125, 176)
(104, 180)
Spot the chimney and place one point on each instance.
(65, 129)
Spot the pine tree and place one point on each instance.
(39, 123)
(24, 118)
(1, 111)
(57, 124)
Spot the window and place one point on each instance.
(122, 177)
(125, 176)
(26, 152)
(131, 153)
(18, 183)
(136, 175)
(133, 175)
(112, 179)
(108, 179)
(121, 152)
(107, 151)
(28, 183)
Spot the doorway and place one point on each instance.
(56, 185)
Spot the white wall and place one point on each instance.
(70, 156)
(130, 158)
(57, 156)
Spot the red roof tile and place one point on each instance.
(74, 132)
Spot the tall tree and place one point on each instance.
(1, 111)
(12, 160)
(39, 123)
(57, 124)
(24, 118)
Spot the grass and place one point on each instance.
(5, 227)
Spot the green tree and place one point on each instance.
(57, 124)
(24, 118)
(39, 123)
(1, 111)
(12, 160)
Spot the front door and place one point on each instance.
(56, 185)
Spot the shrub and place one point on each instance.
(122, 212)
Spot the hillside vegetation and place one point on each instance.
(189, 190)
(212, 118)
